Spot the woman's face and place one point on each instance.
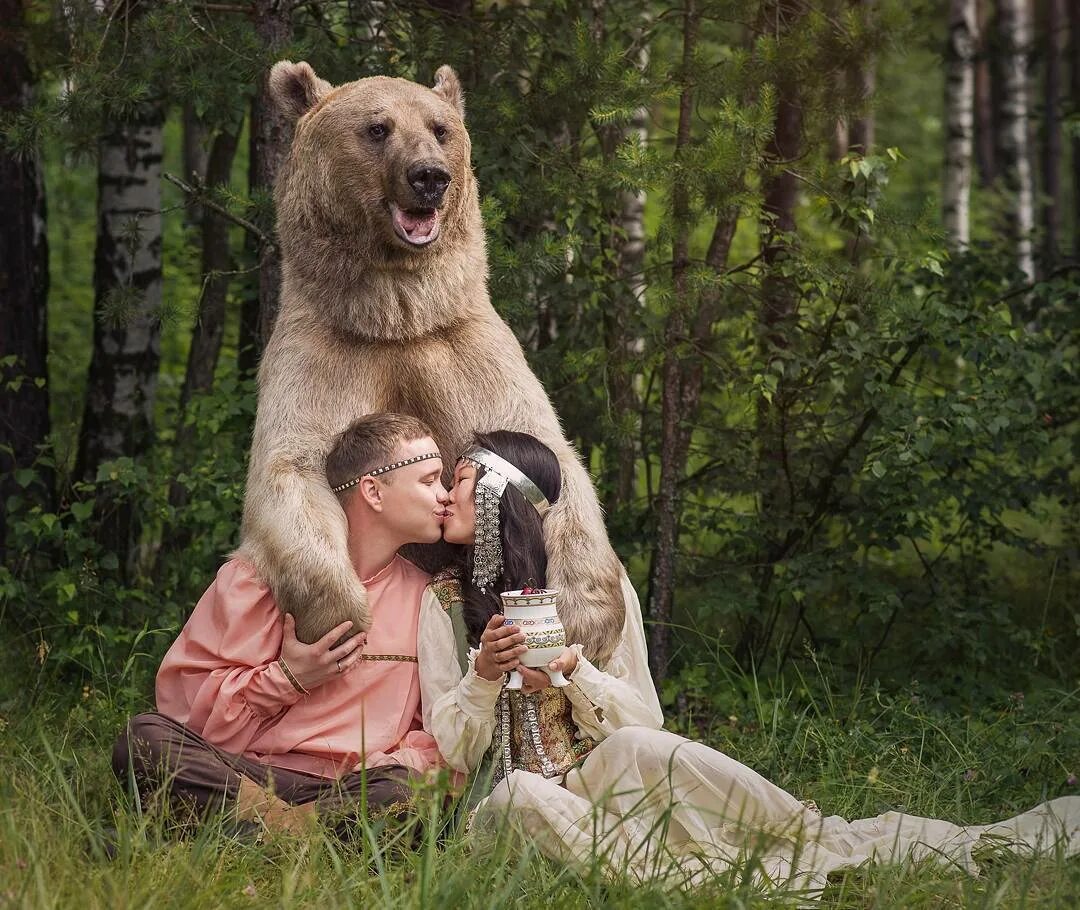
(459, 525)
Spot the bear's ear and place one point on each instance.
(296, 89)
(448, 87)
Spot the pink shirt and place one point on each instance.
(221, 678)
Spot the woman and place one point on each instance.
(585, 770)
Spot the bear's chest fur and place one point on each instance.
(444, 377)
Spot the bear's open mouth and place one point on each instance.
(417, 227)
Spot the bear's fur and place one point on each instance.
(370, 322)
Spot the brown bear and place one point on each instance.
(384, 306)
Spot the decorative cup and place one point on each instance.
(536, 614)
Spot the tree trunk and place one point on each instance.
(118, 416)
(673, 418)
(270, 138)
(838, 138)
(985, 125)
(622, 316)
(194, 157)
(624, 340)
(216, 262)
(780, 191)
(959, 119)
(863, 81)
(1074, 56)
(1015, 149)
(210, 322)
(24, 281)
(1051, 170)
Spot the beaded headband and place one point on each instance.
(487, 545)
(384, 469)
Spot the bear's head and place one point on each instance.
(382, 165)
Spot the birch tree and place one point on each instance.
(959, 119)
(1014, 27)
(118, 417)
(24, 278)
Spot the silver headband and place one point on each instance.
(487, 544)
(384, 469)
(506, 473)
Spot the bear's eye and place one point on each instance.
(377, 131)
(440, 132)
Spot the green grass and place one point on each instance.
(855, 749)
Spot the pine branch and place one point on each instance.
(197, 194)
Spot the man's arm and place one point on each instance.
(224, 676)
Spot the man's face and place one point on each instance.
(413, 497)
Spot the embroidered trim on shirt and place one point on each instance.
(446, 585)
(405, 658)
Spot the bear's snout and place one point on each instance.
(429, 181)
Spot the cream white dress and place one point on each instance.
(654, 805)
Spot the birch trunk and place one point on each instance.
(24, 281)
(959, 120)
(1015, 149)
(118, 417)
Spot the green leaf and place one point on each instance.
(82, 510)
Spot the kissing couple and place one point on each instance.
(277, 733)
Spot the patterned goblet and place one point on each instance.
(536, 614)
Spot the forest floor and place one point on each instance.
(856, 752)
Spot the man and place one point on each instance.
(253, 720)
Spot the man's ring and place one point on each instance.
(338, 666)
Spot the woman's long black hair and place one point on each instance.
(520, 527)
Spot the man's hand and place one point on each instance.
(533, 680)
(501, 648)
(538, 679)
(566, 663)
(314, 664)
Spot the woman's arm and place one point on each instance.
(621, 695)
(459, 710)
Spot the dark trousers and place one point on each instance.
(166, 759)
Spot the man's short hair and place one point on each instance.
(369, 443)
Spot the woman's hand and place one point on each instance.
(315, 664)
(501, 648)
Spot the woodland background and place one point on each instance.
(802, 278)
